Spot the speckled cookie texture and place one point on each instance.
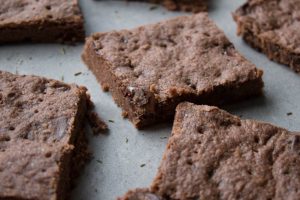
(40, 123)
(40, 21)
(150, 69)
(273, 27)
(215, 155)
(183, 5)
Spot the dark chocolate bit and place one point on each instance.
(61, 125)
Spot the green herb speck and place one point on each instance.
(153, 7)
(99, 161)
(77, 74)
(63, 51)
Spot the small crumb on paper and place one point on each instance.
(96, 123)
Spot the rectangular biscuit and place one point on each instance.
(214, 155)
(273, 27)
(41, 125)
(150, 69)
(40, 21)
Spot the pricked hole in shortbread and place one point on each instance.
(256, 139)
(11, 95)
(249, 171)
(189, 162)
(200, 130)
(48, 154)
(210, 172)
(190, 84)
(206, 34)
(121, 49)
(48, 7)
(180, 26)
(7, 139)
(193, 86)
(135, 41)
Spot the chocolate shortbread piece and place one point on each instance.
(215, 155)
(151, 69)
(272, 26)
(41, 21)
(41, 125)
